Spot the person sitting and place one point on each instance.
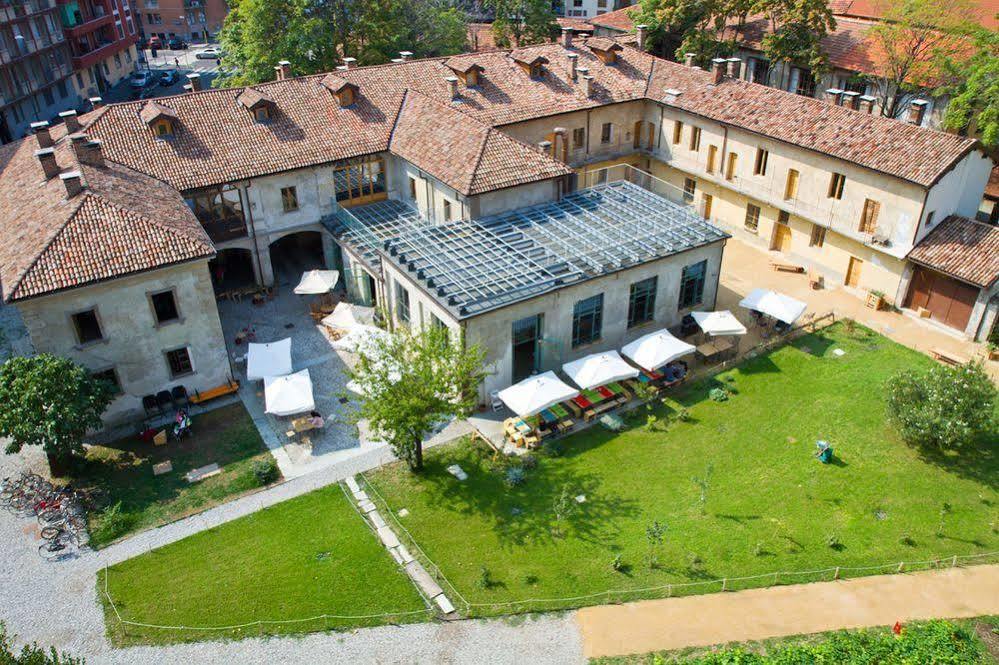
(316, 420)
(182, 424)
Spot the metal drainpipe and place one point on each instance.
(253, 230)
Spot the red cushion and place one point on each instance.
(603, 390)
(582, 402)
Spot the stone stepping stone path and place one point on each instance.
(424, 580)
(203, 472)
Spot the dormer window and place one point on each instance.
(161, 120)
(344, 91)
(466, 69)
(262, 114)
(533, 65)
(536, 71)
(257, 103)
(605, 49)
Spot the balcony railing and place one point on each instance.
(647, 181)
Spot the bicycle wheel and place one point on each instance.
(52, 516)
(51, 532)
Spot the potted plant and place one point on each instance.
(993, 350)
(875, 299)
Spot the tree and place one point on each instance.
(911, 45)
(562, 507)
(412, 381)
(31, 654)
(522, 22)
(315, 35)
(676, 27)
(943, 407)
(797, 28)
(974, 106)
(51, 402)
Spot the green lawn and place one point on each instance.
(770, 505)
(302, 558)
(123, 471)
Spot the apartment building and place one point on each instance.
(102, 35)
(190, 20)
(35, 66)
(553, 200)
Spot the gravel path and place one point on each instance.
(56, 603)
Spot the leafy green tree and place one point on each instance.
(522, 22)
(315, 36)
(51, 402)
(676, 27)
(911, 46)
(31, 654)
(797, 28)
(412, 381)
(943, 407)
(974, 106)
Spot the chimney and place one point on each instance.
(642, 31)
(587, 84)
(96, 103)
(718, 70)
(282, 70)
(90, 152)
(688, 59)
(72, 122)
(834, 96)
(573, 57)
(545, 147)
(851, 100)
(567, 37)
(349, 63)
(194, 80)
(73, 182)
(867, 103)
(403, 55)
(47, 158)
(452, 84)
(917, 109)
(41, 130)
(734, 68)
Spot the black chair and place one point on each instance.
(151, 406)
(180, 397)
(164, 400)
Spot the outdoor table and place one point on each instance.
(715, 348)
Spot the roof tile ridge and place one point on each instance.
(84, 196)
(201, 233)
(398, 114)
(478, 159)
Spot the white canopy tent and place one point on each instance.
(346, 316)
(315, 282)
(273, 359)
(719, 323)
(654, 350)
(536, 393)
(288, 395)
(599, 369)
(781, 307)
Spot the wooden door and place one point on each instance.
(707, 200)
(782, 238)
(950, 301)
(853, 271)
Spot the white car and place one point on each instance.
(210, 53)
(141, 79)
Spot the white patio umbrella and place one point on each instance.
(719, 323)
(272, 359)
(654, 350)
(346, 316)
(781, 307)
(536, 393)
(315, 282)
(599, 369)
(288, 395)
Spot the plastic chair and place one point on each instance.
(179, 396)
(497, 403)
(164, 400)
(151, 406)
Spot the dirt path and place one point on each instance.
(655, 625)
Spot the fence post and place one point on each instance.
(836, 574)
(725, 584)
(953, 563)
(669, 590)
(901, 565)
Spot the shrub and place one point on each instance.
(266, 470)
(718, 394)
(943, 407)
(514, 476)
(907, 540)
(683, 415)
(833, 542)
(112, 523)
(485, 578)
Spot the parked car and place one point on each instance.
(154, 42)
(210, 53)
(176, 44)
(141, 79)
(169, 77)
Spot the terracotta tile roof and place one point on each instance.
(251, 98)
(912, 153)
(480, 35)
(962, 248)
(462, 152)
(216, 141)
(985, 11)
(123, 222)
(616, 20)
(992, 188)
(603, 44)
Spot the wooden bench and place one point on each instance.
(947, 357)
(201, 397)
(786, 267)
